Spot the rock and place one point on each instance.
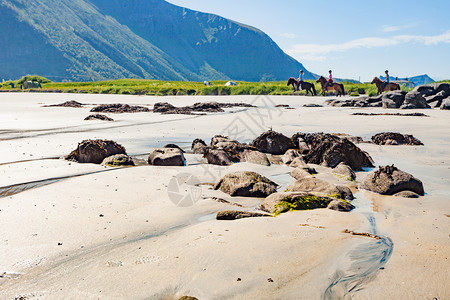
(407, 194)
(437, 97)
(312, 105)
(414, 99)
(446, 104)
(330, 150)
(298, 162)
(173, 146)
(302, 145)
(394, 138)
(393, 99)
(246, 184)
(71, 103)
(255, 157)
(167, 157)
(351, 138)
(222, 141)
(197, 108)
(344, 170)
(98, 117)
(340, 205)
(282, 105)
(312, 184)
(278, 203)
(273, 142)
(95, 151)
(119, 108)
(187, 298)
(300, 173)
(118, 160)
(218, 157)
(235, 215)
(432, 89)
(389, 180)
(289, 156)
(198, 146)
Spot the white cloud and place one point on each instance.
(289, 35)
(392, 28)
(317, 52)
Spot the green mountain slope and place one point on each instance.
(109, 39)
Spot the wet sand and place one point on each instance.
(85, 231)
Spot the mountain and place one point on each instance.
(417, 80)
(108, 39)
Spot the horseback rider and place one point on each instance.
(300, 79)
(386, 80)
(329, 82)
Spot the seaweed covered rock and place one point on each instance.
(118, 160)
(236, 214)
(198, 146)
(389, 180)
(278, 203)
(246, 184)
(394, 138)
(273, 142)
(118, 108)
(95, 151)
(167, 157)
(312, 184)
(331, 150)
(98, 117)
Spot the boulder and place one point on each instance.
(198, 146)
(445, 104)
(344, 170)
(394, 138)
(432, 89)
(254, 157)
(173, 146)
(414, 99)
(220, 139)
(330, 150)
(393, 99)
(437, 97)
(298, 162)
(312, 184)
(273, 142)
(95, 151)
(235, 215)
(246, 184)
(300, 173)
(389, 180)
(167, 157)
(118, 160)
(218, 157)
(289, 156)
(98, 117)
(340, 205)
(407, 194)
(278, 203)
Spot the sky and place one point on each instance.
(355, 39)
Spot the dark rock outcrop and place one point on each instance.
(95, 151)
(246, 184)
(414, 100)
(330, 150)
(198, 146)
(389, 180)
(119, 108)
(273, 142)
(218, 157)
(98, 117)
(167, 157)
(118, 160)
(394, 138)
(393, 99)
(71, 103)
(236, 214)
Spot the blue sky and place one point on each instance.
(356, 39)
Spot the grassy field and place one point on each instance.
(166, 88)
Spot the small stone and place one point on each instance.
(269, 280)
(239, 279)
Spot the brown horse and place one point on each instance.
(309, 87)
(388, 87)
(334, 87)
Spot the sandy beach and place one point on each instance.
(85, 231)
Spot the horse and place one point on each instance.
(30, 85)
(390, 86)
(334, 87)
(309, 87)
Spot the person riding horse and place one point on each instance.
(330, 80)
(386, 80)
(300, 79)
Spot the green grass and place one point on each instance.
(172, 88)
